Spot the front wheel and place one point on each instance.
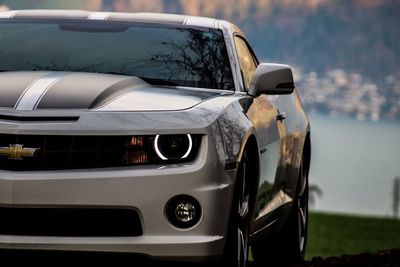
(297, 224)
(237, 242)
(289, 247)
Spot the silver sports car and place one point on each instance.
(152, 134)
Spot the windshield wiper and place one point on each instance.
(154, 81)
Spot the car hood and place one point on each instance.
(39, 90)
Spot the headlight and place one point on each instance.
(173, 147)
(161, 149)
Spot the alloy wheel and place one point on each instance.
(243, 213)
(302, 209)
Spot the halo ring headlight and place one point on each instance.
(163, 156)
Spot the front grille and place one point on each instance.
(69, 222)
(65, 152)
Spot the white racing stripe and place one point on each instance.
(8, 14)
(98, 16)
(32, 95)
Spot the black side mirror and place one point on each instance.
(272, 79)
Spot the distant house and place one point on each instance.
(107, 5)
(116, 5)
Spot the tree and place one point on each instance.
(314, 191)
(396, 196)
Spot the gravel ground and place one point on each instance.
(388, 258)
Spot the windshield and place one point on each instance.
(158, 54)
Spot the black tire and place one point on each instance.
(289, 247)
(237, 242)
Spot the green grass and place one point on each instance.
(334, 234)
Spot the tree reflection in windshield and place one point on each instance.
(200, 58)
(166, 55)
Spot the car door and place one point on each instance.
(269, 122)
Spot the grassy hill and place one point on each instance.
(334, 234)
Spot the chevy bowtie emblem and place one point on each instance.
(17, 152)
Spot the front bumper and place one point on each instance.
(146, 189)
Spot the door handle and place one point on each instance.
(281, 116)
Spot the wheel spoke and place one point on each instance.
(240, 246)
(303, 182)
(303, 213)
(244, 207)
(301, 225)
(244, 194)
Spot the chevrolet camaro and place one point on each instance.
(151, 134)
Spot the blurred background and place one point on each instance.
(346, 56)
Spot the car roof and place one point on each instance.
(159, 18)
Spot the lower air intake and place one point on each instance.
(69, 222)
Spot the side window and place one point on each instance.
(247, 61)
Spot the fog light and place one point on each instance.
(183, 211)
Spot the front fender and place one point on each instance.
(235, 129)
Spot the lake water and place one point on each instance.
(354, 163)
